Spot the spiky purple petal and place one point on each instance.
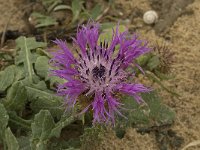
(133, 90)
(98, 71)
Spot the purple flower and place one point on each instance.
(98, 70)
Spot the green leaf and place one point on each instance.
(107, 25)
(42, 66)
(153, 113)
(17, 122)
(96, 11)
(92, 137)
(76, 9)
(41, 130)
(3, 120)
(7, 77)
(26, 56)
(56, 2)
(62, 144)
(42, 98)
(42, 69)
(11, 141)
(54, 80)
(143, 59)
(47, 3)
(30, 43)
(153, 63)
(53, 105)
(19, 73)
(71, 148)
(108, 32)
(43, 20)
(24, 143)
(39, 91)
(16, 97)
(60, 125)
(61, 7)
(50, 4)
(160, 113)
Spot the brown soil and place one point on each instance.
(183, 35)
(9, 10)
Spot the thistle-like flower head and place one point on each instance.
(98, 70)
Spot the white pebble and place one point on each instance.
(150, 17)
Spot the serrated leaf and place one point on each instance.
(41, 129)
(60, 125)
(16, 97)
(20, 61)
(7, 77)
(11, 141)
(3, 120)
(26, 45)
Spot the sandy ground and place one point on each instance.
(11, 14)
(185, 35)
(184, 38)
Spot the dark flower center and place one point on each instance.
(99, 72)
